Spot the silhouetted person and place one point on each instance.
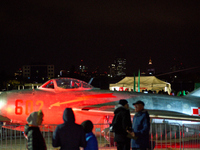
(120, 124)
(69, 135)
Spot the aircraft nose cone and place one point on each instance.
(3, 101)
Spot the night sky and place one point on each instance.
(62, 33)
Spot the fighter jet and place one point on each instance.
(90, 103)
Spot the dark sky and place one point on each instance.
(63, 32)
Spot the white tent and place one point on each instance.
(146, 83)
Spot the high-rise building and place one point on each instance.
(121, 66)
(118, 68)
(150, 68)
(112, 70)
(82, 67)
(38, 72)
(18, 73)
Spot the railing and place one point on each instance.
(162, 136)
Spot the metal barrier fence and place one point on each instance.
(162, 136)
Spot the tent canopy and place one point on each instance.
(146, 83)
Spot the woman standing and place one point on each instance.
(33, 133)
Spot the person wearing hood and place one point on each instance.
(121, 123)
(141, 127)
(69, 135)
(32, 131)
(91, 139)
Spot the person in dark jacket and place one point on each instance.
(69, 135)
(121, 123)
(32, 132)
(141, 127)
(91, 139)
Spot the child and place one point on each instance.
(91, 140)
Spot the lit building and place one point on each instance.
(38, 72)
(121, 66)
(112, 70)
(118, 68)
(82, 67)
(150, 68)
(18, 73)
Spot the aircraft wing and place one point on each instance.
(4, 119)
(162, 114)
(154, 114)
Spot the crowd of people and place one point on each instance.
(67, 136)
(173, 93)
(72, 136)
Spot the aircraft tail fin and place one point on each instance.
(90, 81)
(195, 93)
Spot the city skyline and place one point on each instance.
(63, 33)
(117, 68)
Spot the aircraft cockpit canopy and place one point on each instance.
(50, 85)
(65, 83)
(69, 83)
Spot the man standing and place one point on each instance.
(69, 135)
(141, 127)
(121, 123)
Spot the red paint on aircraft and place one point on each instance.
(53, 97)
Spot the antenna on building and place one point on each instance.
(150, 61)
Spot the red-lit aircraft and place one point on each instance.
(90, 103)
